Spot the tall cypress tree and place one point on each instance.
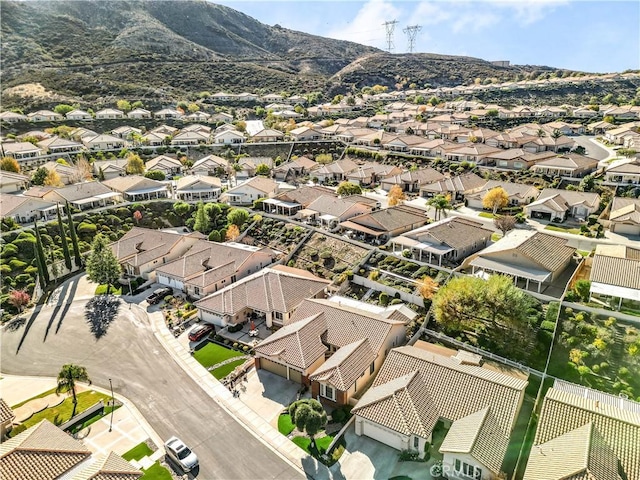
(42, 260)
(65, 244)
(74, 237)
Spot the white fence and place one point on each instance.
(393, 292)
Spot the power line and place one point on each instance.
(412, 32)
(390, 26)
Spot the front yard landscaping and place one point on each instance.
(156, 472)
(211, 354)
(226, 369)
(139, 451)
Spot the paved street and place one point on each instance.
(125, 350)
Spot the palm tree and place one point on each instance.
(440, 203)
(541, 133)
(67, 378)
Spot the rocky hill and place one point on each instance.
(96, 51)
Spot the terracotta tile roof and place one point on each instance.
(340, 166)
(6, 414)
(297, 344)
(345, 366)
(42, 452)
(131, 182)
(480, 436)
(109, 467)
(516, 190)
(329, 205)
(390, 219)
(455, 232)
(596, 422)
(402, 404)
(572, 197)
(262, 184)
(163, 161)
(82, 190)
(548, 250)
(140, 245)
(460, 183)
(305, 195)
(571, 161)
(267, 290)
(625, 210)
(346, 324)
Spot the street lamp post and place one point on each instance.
(112, 406)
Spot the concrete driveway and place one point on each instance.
(267, 394)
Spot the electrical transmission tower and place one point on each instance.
(412, 32)
(390, 26)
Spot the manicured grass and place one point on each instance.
(321, 443)
(495, 237)
(285, 425)
(156, 472)
(486, 215)
(302, 442)
(42, 395)
(212, 354)
(225, 370)
(137, 452)
(583, 253)
(62, 412)
(102, 289)
(554, 228)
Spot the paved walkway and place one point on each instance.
(245, 416)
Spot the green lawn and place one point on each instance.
(321, 443)
(156, 472)
(137, 452)
(554, 228)
(225, 370)
(212, 354)
(486, 215)
(302, 442)
(495, 237)
(102, 289)
(62, 412)
(285, 425)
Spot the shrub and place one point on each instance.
(87, 229)
(16, 264)
(23, 278)
(9, 250)
(325, 254)
(547, 325)
(234, 328)
(383, 299)
(406, 253)
(235, 344)
(168, 298)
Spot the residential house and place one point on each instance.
(568, 165)
(450, 240)
(56, 144)
(108, 466)
(190, 138)
(516, 158)
(109, 114)
(426, 387)
(372, 172)
(126, 132)
(21, 151)
(142, 250)
(209, 266)
(402, 143)
(42, 452)
(12, 117)
(248, 166)
(11, 182)
(289, 171)
(78, 115)
(625, 173)
(221, 117)
(104, 142)
(291, 201)
(625, 216)
(381, 225)
(556, 205)
(25, 209)
(526, 256)
(168, 165)
(67, 173)
(584, 433)
(229, 137)
(268, 135)
(139, 114)
(44, 116)
(272, 294)
(79, 133)
(84, 195)
(519, 194)
(412, 181)
(6, 418)
(134, 188)
(334, 171)
(473, 153)
(197, 117)
(165, 130)
(248, 192)
(152, 139)
(211, 165)
(167, 113)
(566, 128)
(615, 274)
(198, 188)
(305, 134)
(329, 210)
(456, 187)
(108, 169)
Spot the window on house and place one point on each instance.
(278, 316)
(197, 290)
(416, 442)
(327, 391)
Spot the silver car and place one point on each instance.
(181, 454)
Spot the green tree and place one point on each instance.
(213, 212)
(39, 176)
(495, 199)
(135, 165)
(182, 209)
(9, 164)
(263, 169)
(63, 239)
(441, 204)
(63, 109)
(74, 237)
(583, 289)
(69, 375)
(137, 104)
(348, 188)
(123, 105)
(40, 256)
(587, 183)
(308, 416)
(238, 217)
(201, 220)
(103, 267)
(155, 175)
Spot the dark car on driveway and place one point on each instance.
(200, 332)
(158, 295)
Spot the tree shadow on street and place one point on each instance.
(32, 318)
(100, 311)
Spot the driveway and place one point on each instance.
(267, 394)
(114, 340)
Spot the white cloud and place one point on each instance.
(430, 13)
(367, 26)
(474, 21)
(527, 12)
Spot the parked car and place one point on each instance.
(181, 454)
(158, 295)
(200, 332)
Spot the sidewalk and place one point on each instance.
(246, 417)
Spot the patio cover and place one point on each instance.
(146, 190)
(434, 248)
(328, 217)
(515, 270)
(360, 228)
(615, 291)
(405, 241)
(280, 203)
(305, 212)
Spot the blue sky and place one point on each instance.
(593, 36)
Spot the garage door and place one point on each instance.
(541, 215)
(382, 435)
(295, 376)
(626, 229)
(273, 367)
